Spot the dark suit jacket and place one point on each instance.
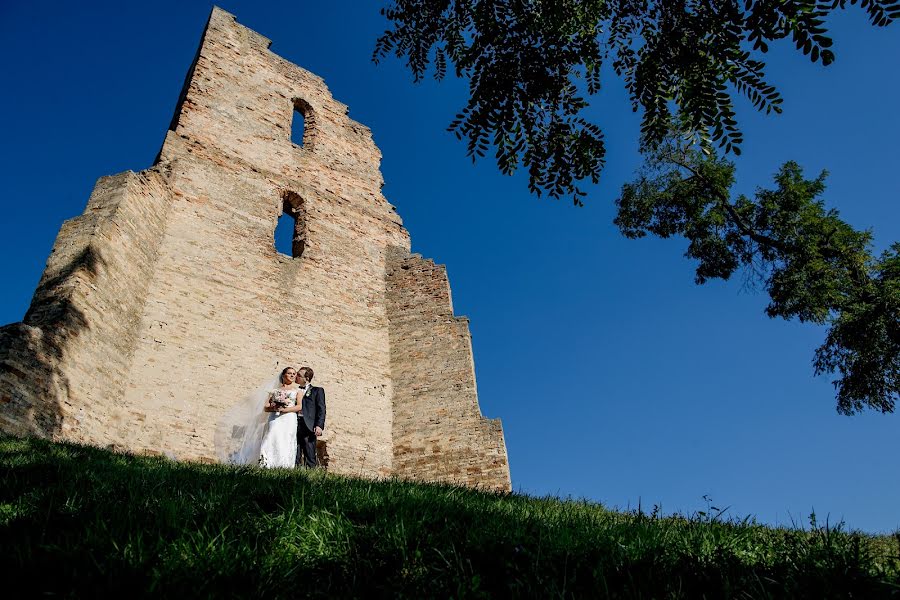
(314, 408)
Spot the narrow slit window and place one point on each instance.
(301, 121)
(290, 231)
(284, 234)
(298, 127)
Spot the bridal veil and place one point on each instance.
(239, 432)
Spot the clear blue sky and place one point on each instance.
(663, 391)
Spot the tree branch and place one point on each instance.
(759, 238)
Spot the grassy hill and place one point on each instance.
(79, 521)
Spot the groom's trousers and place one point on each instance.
(306, 446)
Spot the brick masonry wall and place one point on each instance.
(439, 433)
(63, 370)
(228, 311)
(215, 310)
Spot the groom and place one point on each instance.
(312, 418)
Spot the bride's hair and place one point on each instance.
(285, 370)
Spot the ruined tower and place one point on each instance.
(166, 301)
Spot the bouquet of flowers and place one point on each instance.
(279, 399)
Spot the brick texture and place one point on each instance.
(166, 301)
(439, 433)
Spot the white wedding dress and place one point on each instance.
(279, 442)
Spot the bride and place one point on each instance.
(262, 429)
(279, 443)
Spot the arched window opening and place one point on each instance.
(297, 128)
(290, 232)
(300, 122)
(284, 234)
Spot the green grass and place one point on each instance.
(79, 521)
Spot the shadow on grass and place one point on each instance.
(82, 521)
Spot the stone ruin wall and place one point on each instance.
(61, 367)
(166, 301)
(439, 433)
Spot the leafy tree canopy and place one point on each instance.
(530, 63)
(814, 266)
(679, 59)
